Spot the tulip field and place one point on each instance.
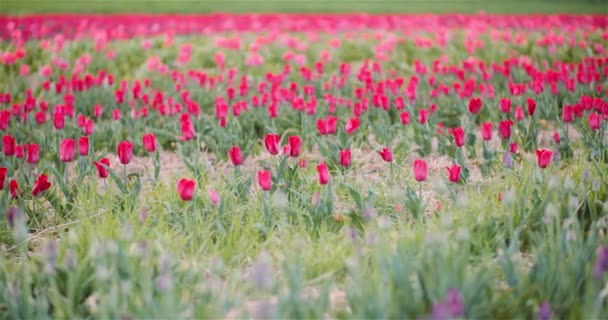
(287, 166)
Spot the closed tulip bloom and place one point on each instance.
(19, 151)
(83, 146)
(504, 128)
(236, 156)
(265, 180)
(323, 172)
(58, 120)
(568, 114)
(595, 121)
(149, 142)
(332, 124)
(32, 152)
(101, 165)
(352, 125)
(3, 173)
(556, 138)
(322, 127)
(386, 154)
(214, 197)
(271, 141)
(420, 170)
(8, 145)
(405, 117)
(505, 105)
(454, 173)
(125, 152)
(66, 150)
(423, 116)
(345, 157)
(89, 127)
(543, 157)
(13, 187)
(185, 189)
(42, 184)
(295, 146)
(486, 131)
(519, 113)
(513, 147)
(531, 106)
(459, 136)
(188, 131)
(475, 105)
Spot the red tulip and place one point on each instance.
(459, 136)
(505, 105)
(265, 180)
(531, 106)
(595, 121)
(454, 172)
(352, 125)
(58, 119)
(187, 128)
(13, 187)
(420, 170)
(271, 141)
(32, 153)
(386, 154)
(556, 138)
(405, 117)
(324, 175)
(345, 158)
(295, 146)
(543, 157)
(513, 147)
(66, 150)
(42, 184)
(8, 145)
(102, 171)
(40, 117)
(116, 114)
(322, 127)
(125, 152)
(83, 146)
(504, 128)
(18, 151)
(332, 124)
(214, 197)
(236, 156)
(88, 128)
(149, 142)
(185, 189)
(567, 114)
(423, 116)
(475, 105)
(519, 113)
(486, 131)
(3, 173)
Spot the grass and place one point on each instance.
(311, 6)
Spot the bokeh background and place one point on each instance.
(370, 6)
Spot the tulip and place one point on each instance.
(185, 189)
(83, 146)
(102, 170)
(149, 142)
(513, 147)
(386, 154)
(214, 197)
(66, 150)
(236, 156)
(295, 146)
(42, 184)
(405, 117)
(475, 105)
(556, 138)
(8, 145)
(32, 153)
(454, 173)
(58, 119)
(459, 136)
(40, 117)
(19, 151)
(322, 127)
(505, 105)
(13, 187)
(519, 113)
(265, 180)
(332, 124)
(420, 170)
(88, 128)
(3, 173)
(423, 116)
(324, 175)
(271, 141)
(568, 114)
(543, 157)
(531, 106)
(125, 152)
(302, 163)
(345, 158)
(595, 121)
(504, 128)
(352, 125)
(486, 131)
(116, 114)
(188, 131)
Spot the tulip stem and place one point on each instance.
(124, 170)
(420, 190)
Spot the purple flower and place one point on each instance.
(13, 215)
(451, 307)
(507, 160)
(601, 262)
(544, 311)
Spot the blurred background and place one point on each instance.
(304, 6)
